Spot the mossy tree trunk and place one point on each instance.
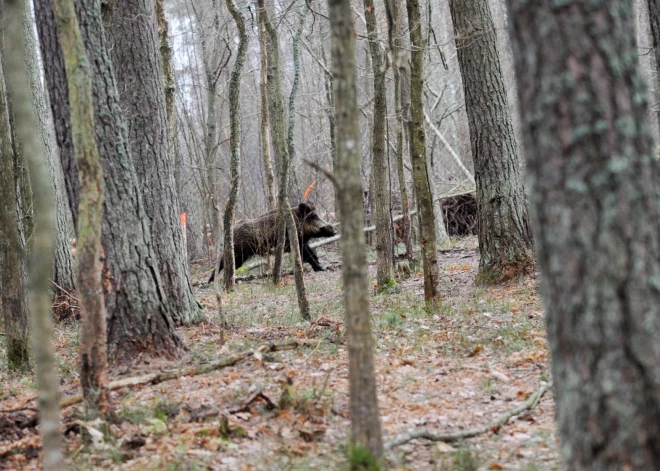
(419, 161)
(596, 218)
(235, 144)
(654, 18)
(381, 196)
(93, 334)
(42, 249)
(365, 419)
(132, 32)
(505, 238)
(13, 292)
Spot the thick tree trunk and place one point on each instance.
(133, 47)
(13, 292)
(41, 259)
(594, 184)
(381, 196)
(418, 158)
(93, 334)
(62, 273)
(654, 18)
(139, 318)
(505, 239)
(365, 418)
(235, 144)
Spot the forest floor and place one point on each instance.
(481, 356)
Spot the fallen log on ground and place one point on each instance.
(194, 370)
(447, 437)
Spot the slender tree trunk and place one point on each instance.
(62, 273)
(395, 34)
(139, 318)
(13, 295)
(505, 239)
(168, 73)
(41, 259)
(93, 334)
(381, 196)
(235, 143)
(265, 118)
(134, 50)
(365, 419)
(292, 229)
(278, 135)
(418, 157)
(594, 184)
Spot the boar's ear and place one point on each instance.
(306, 207)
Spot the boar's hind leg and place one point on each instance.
(310, 257)
(219, 269)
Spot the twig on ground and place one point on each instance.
(405, 437)
(155, 378)
(257, 395)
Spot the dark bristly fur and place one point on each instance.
(259, 236)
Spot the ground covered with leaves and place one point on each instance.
(482, 355)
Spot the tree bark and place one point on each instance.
(235, 144)
(278, 134)
(505, 239)
(395, 33)
(41, 259)
(265, 117)
(594, 184)
(139, 318)
(654, 18)
(292, 229)
(365, 419)
(93, 334)
(418, 158)
(62, 273)
(381, 196)
(133, 48)
(13, 295)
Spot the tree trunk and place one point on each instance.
(594, 184)
(13, 295)
(132, 32)
(62, 273)
(381, 196)
(395, 33)
(418, 158)
(41, 259)
(235, 143)
(292, 229)
(139, 318)
(265, 118)
(654, 18)
(365, 419)
(278, 134)
(505, 239)
(93, 334)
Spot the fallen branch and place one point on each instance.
(257, 395)
(405, 437)
(155, 378)
(451, 151)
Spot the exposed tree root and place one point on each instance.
(405, 437)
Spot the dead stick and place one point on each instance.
(405, 437)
